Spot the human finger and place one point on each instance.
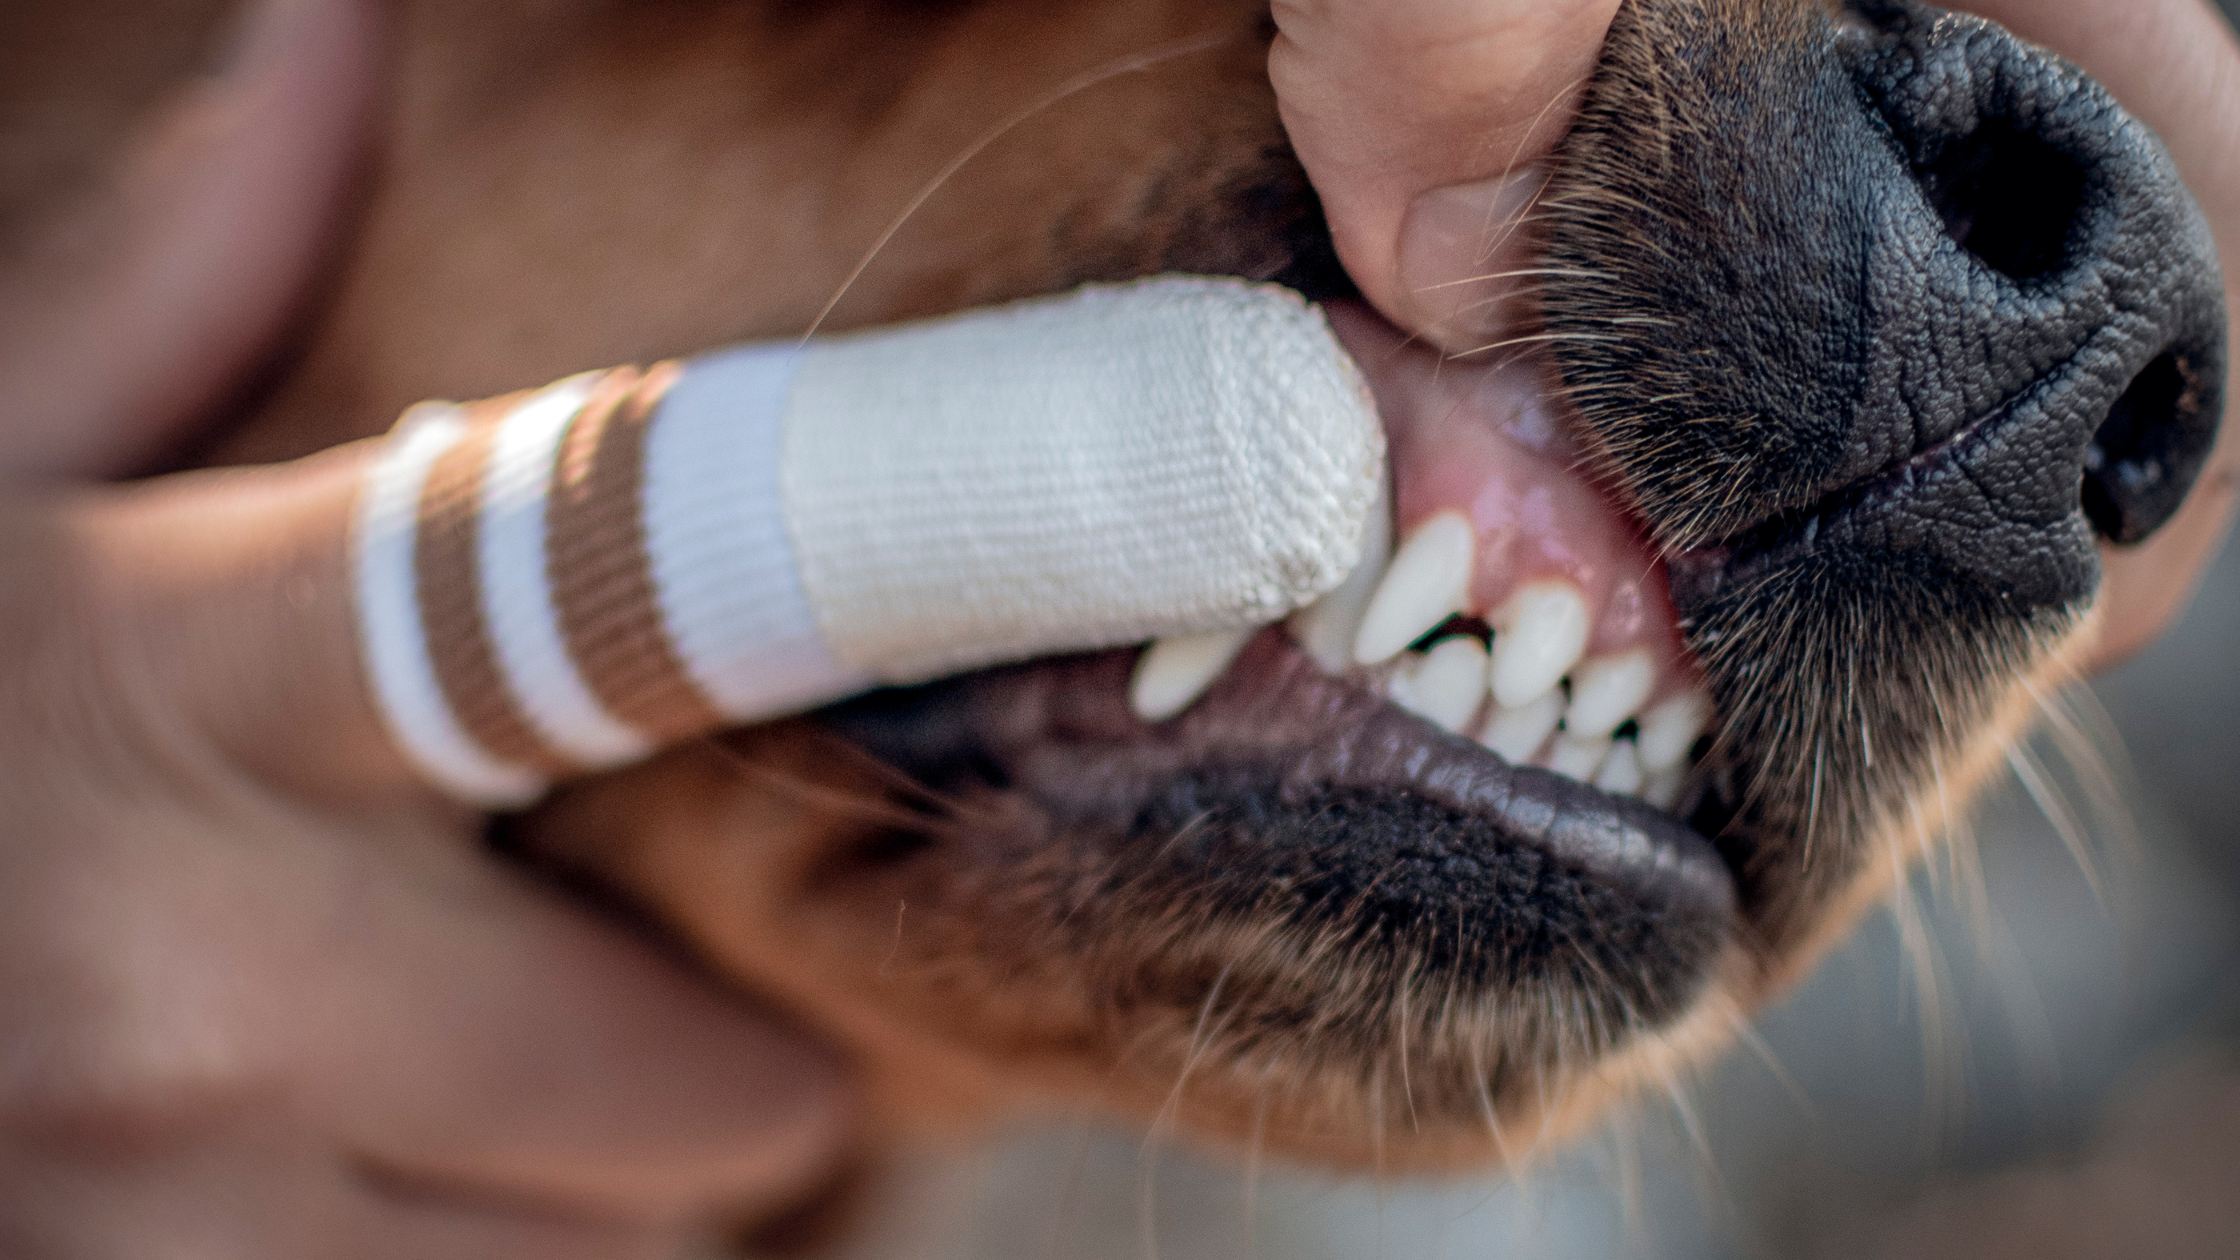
(431, 1226)
(483, 1037)
(1419, 122)
(561, 580)
(114, 340)
(266, 1190)
(212, 615)
(2175, 65)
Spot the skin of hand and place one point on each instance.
(262, 993)
(1420, 122)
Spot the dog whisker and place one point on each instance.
(1134, 63)
(2053, 803)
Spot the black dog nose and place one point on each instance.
(2096, 300)
(1919, 290)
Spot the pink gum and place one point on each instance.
(1485, 439)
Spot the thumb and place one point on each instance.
(1418, 121)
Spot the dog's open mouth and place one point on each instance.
(1521, 812)
(1524, 607)
(1523, 615)
(1470, 770)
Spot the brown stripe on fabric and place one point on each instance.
(600, 572)
(448, 575)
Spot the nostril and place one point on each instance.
(2140, 462)
(2006, 196)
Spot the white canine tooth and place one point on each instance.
(1428, 580)
(1576, 758)
(1175, 671)
(1621, 770)
(1447, 685)
(1543, 631)
(1515, 734)
(1670, 729)
(1327, 627)
(1606, 690)
(1663, 787)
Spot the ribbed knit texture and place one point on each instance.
(723, 562)
(1118, 464)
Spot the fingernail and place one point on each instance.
(1461, 248)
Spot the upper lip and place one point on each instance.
(1882, 500)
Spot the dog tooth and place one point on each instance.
(1606, 690)
(1447, 685)
(1399, 684)
(1327, 627)
(1428, 580)
(1670, 729)
(1543, 631)
(1576, 758)
(1516, 734)
(1621, 770)
(1173, 672)
(1663, 786)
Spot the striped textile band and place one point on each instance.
(724, 556)
(564, 580)
(520, 583)
(600, 571)
(511, 602)
(397, 652)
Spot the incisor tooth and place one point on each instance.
(1175, 671)
(1515, 734)
(1670, 729)
(1327, 627)
(1448, 685)
(1429, 579)
(1606, 690)
(1543, 629)
(1576, 758)
(1621, 770)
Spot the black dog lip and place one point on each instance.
(1062, 730)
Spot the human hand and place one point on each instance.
(1419, 122)
(261, 992)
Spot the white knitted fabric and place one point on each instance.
(717, 542)
(1114, 465)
